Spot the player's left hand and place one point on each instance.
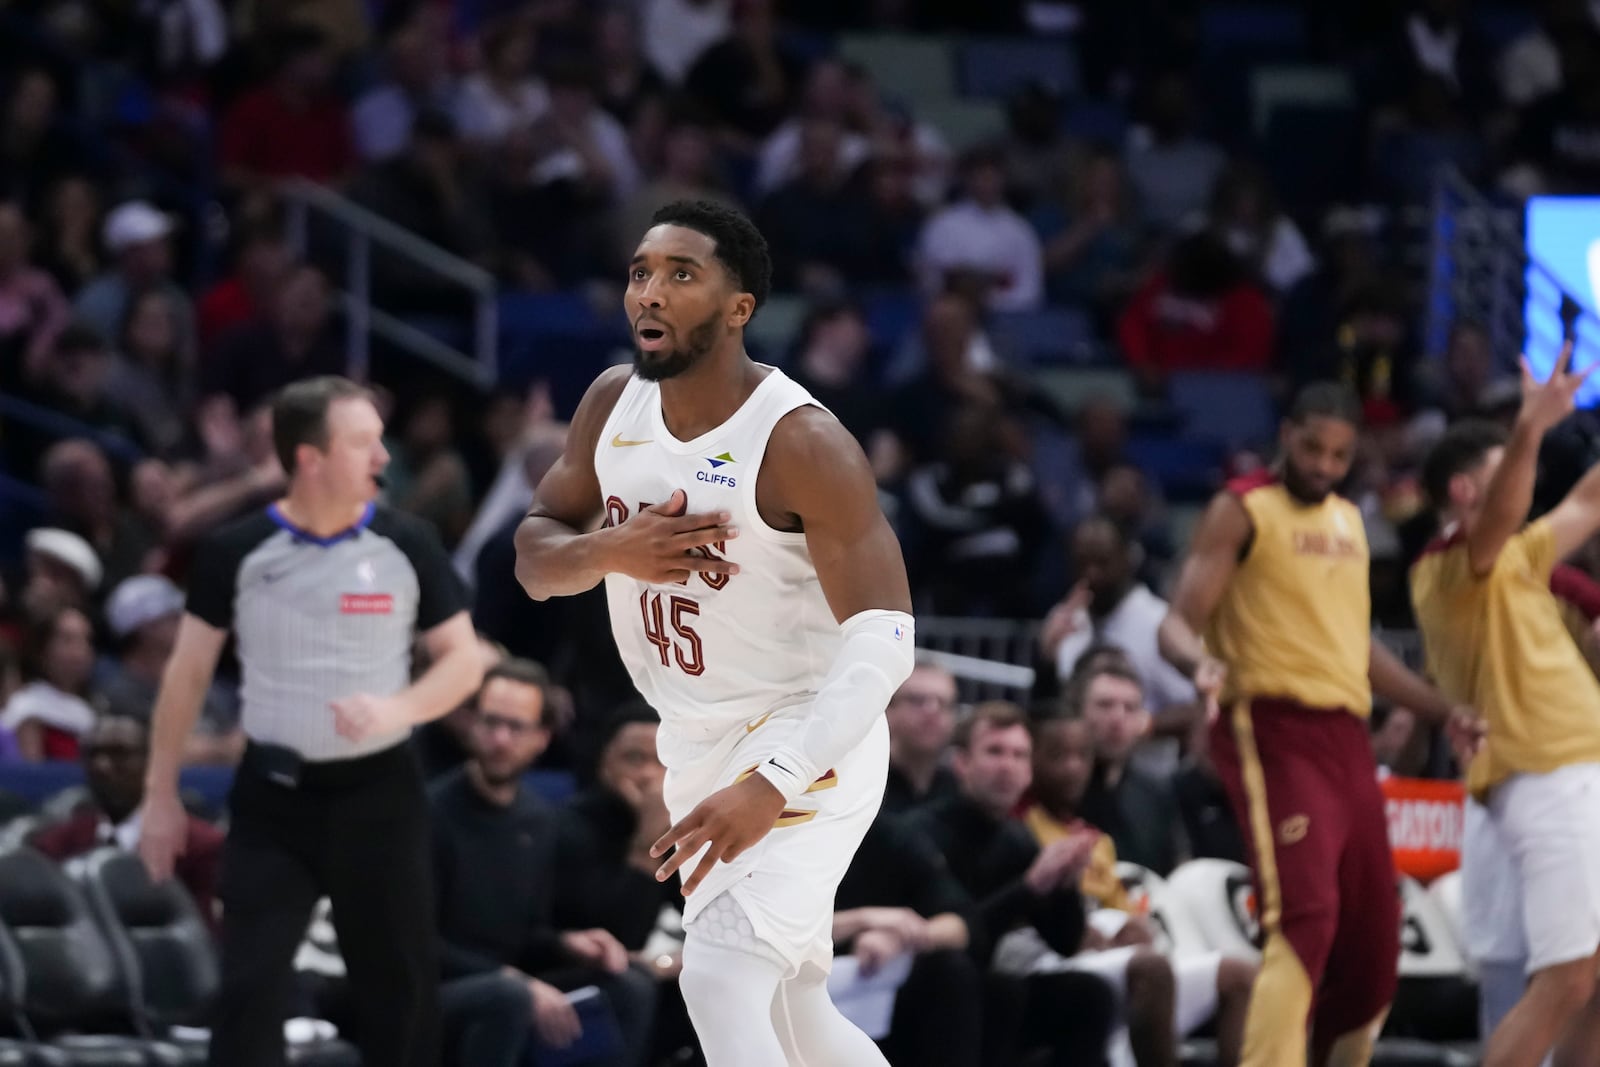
(363, 715)
(729, 821)
(1465, 730)
(596, 947)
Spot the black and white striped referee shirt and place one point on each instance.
(320, 618)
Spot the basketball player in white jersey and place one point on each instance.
(759, 600)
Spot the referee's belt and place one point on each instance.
(288, 769)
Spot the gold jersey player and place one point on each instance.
(1272, 620)
(759, 601)
(1494, 635)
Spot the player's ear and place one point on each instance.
(744, 306)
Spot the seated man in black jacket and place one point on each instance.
(899, 897)
(506, 963)
(1017, 884)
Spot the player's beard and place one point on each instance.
(659, 366)
(1300, 488)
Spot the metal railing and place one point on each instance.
(1476, 267)
(361, 231)
(995, 659)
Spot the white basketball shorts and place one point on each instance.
(1547, 822)
(786, 883)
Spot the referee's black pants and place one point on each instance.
(357, 832)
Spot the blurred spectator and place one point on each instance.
(546, 228)
(688, 173)
(114, 751)
(896, 133)
(1558, 137)
(261, 260)
(292, 126)
(608, 875)
(142, 614)
(676, 33)
(1173, 170)
(981, 236)
(1245, 213)
(174, 44)
(81, 496)
(69, 234)
(1201, 312)
(32, 310)
(36, 149)
(1109, 605)
(57, 706)
(1098, 444)
(1530, 66)
(505, 963)
(826, 98)
(899, 898)
(582, 142)
(1437, 41)
(1468, 366)
(626, 78)
(807, 220)
(1091, 244)
(747, 80)
(151, 378)
(1040, 161)
(1209, 825)
(955, 360)
(1136, 809)
(415, 78)
(426, 475)
(976, 522)
(1018, 885)
(1127, 498)
(138, 236)
(1397, 744)
(292, 340)
(75, 383)
(61, 571)
(922, 720)
(830, 362)
(430, 191)
(886, 218)
(1433, 132)
(237, 472)
(505, 96)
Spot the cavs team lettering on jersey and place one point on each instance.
(1294, 622)
(1498, 642)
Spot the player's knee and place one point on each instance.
(1150, 978)
(1235, 977)
(716, 977)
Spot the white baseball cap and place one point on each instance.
(141, 600)
(67, 548)
(134, 223)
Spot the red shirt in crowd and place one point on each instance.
(1161, 331)
(265, 135)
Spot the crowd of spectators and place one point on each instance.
(152, 298)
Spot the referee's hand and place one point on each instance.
(363, 715)
(163, 832)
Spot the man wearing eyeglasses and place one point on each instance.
(508, 965)
(114, 753)
(922, 720)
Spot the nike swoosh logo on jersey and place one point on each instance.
(758, 724)
(618, 442)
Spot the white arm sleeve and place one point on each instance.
(878, 654)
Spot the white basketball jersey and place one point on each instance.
(718, 651)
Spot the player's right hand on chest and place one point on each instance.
(661, 543)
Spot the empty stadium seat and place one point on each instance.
(1047, 336)
(72, 986)
(1188, 470)
(964, 123)
(1219, 897)
(915, 68)
(1228, 408)
(776, 326)
(1071, 388)
(14, 1052)
(995, 68)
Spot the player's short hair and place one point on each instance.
(1462, 448)
(1327, 400)
(992, 715)
(300, 413)
(740, 248)
(1076, 696)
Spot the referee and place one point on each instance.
(324, 591)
